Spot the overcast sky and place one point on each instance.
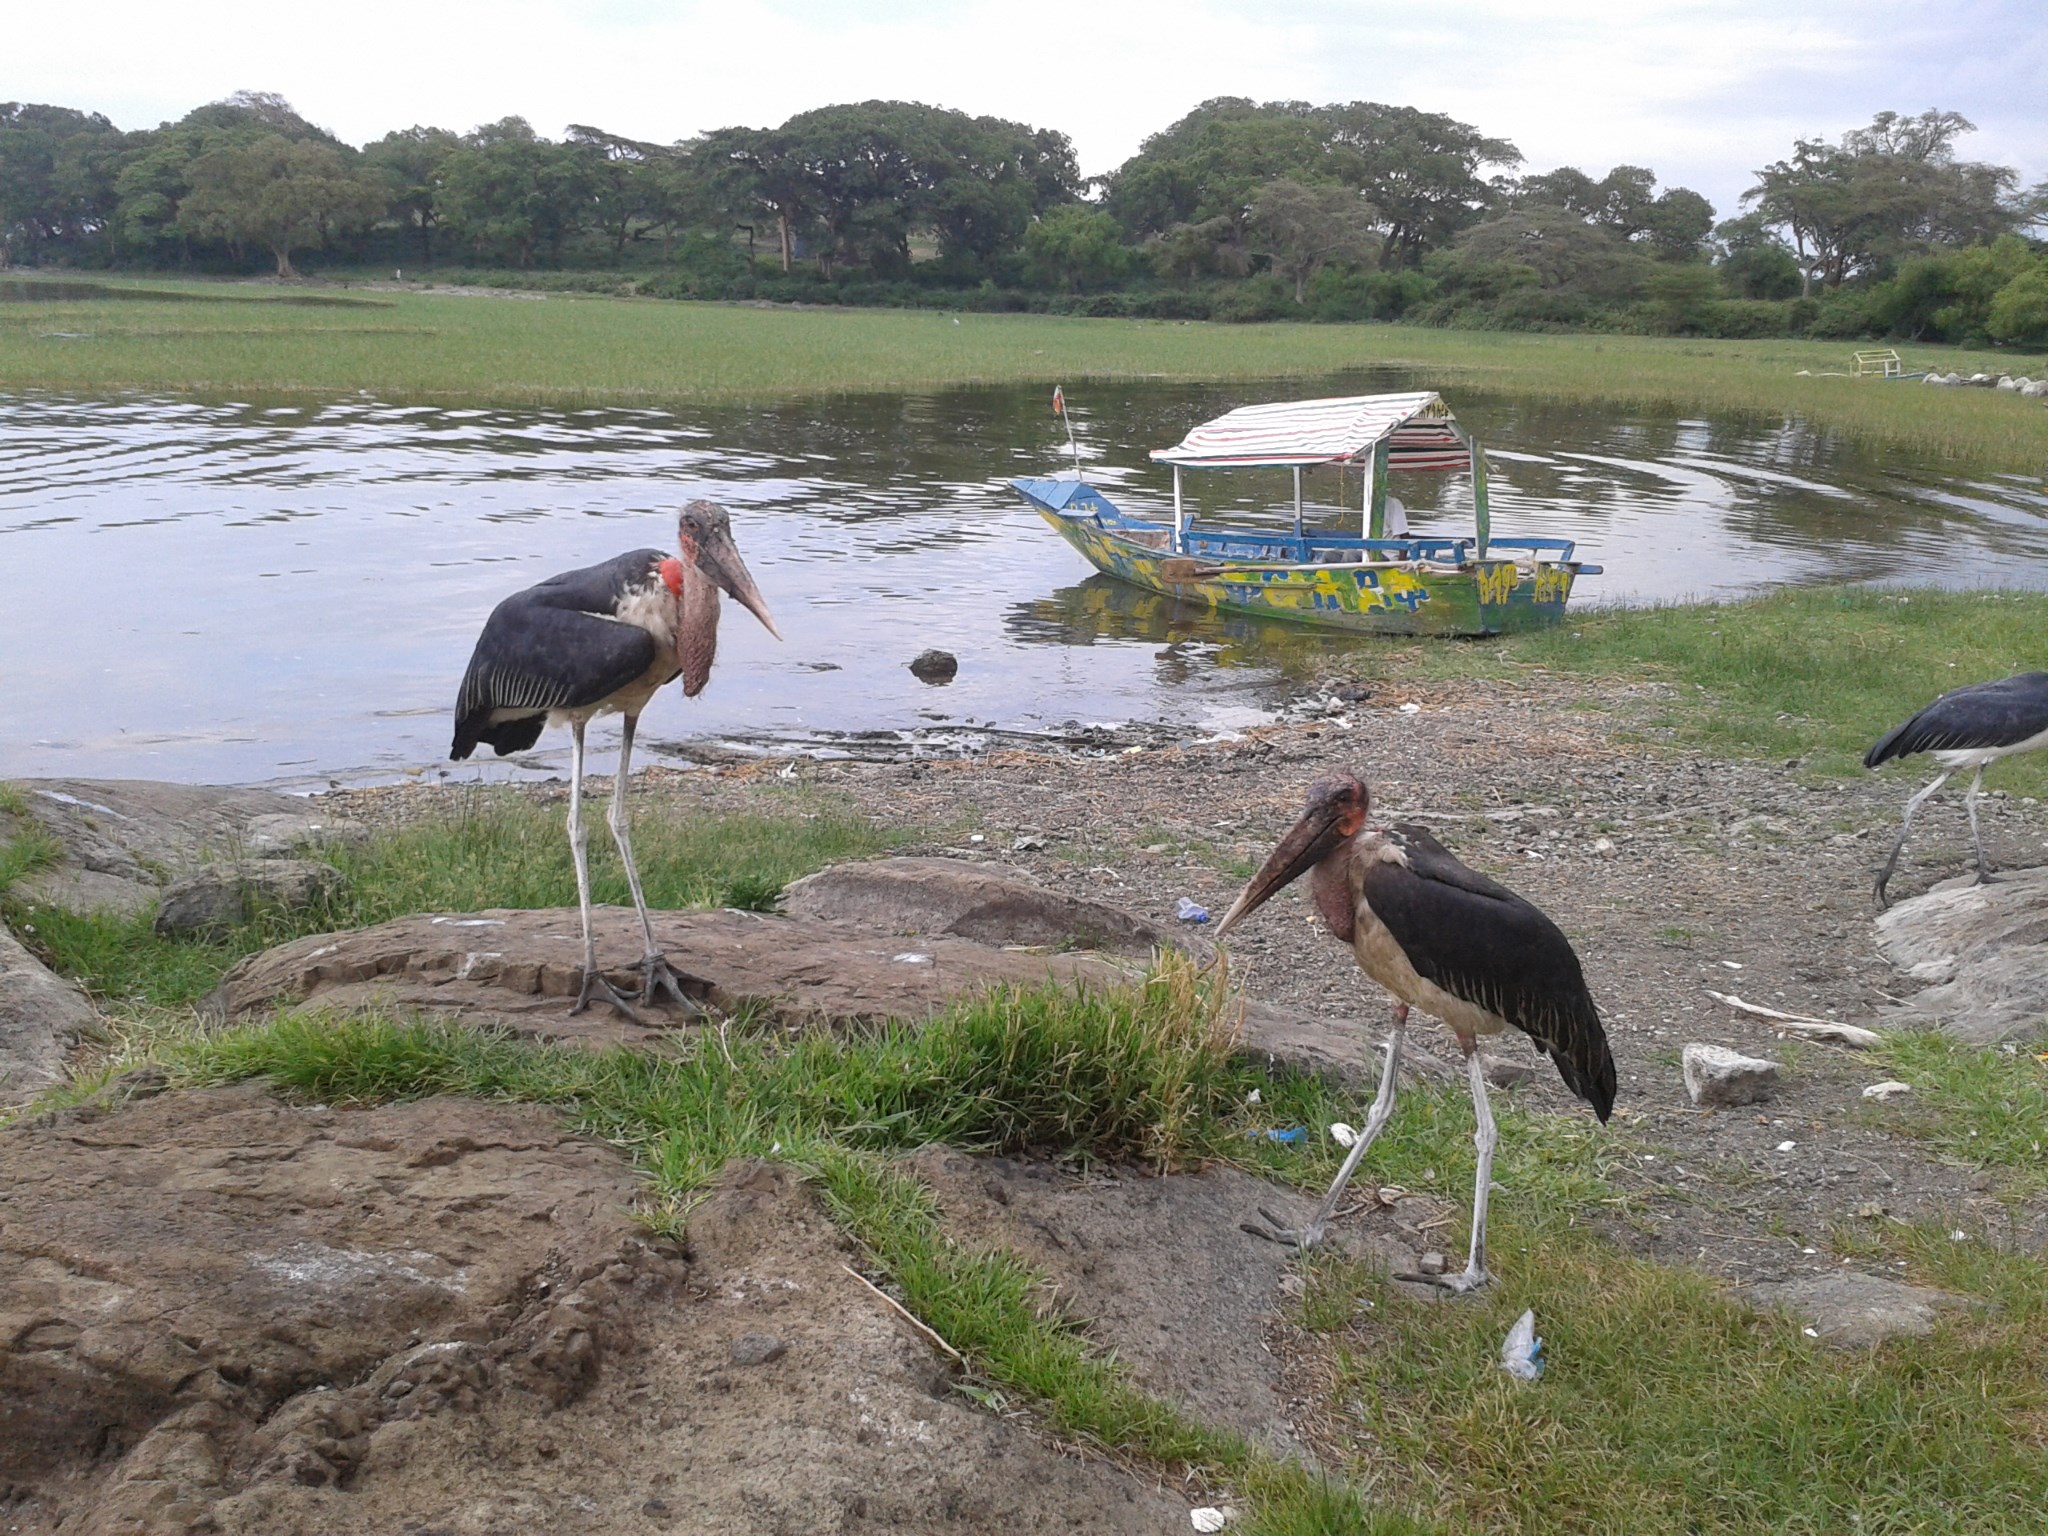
(1701, 91)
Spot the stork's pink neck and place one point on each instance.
(1330, 888)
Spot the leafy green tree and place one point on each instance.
(1076, 248)
(507, 189)
(1209, 163)
(56, 179)
(1674, 224)
(408, 161)
(2019, 313)
(1562, 251)
(280, 193)
(1949, 297)
(1301, 229)
(1884, 192)
(758, 174)
(1212, 248)
(1421, 170)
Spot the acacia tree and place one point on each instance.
(282, 194)
(1885, 191)
(1674, 223)
(1302, 228)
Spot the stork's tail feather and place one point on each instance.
(1588, 1070)
(505, 737)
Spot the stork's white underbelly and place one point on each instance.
(1972, 757)
(653, 610)
(1383, 960)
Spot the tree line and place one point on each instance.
(1240, 210)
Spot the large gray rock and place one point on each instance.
(989, 903)
(125, 838)
(1984, 951)
(222, 896)
(41, 1018)
(1853, 1310)
(1718, 1078)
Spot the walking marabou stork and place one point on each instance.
(591, 642)
(1967, 728)
(1447, 940)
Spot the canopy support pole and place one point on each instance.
(1376, 494)
(1180, 520)
(1480, 520)
(1297, 503)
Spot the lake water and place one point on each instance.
(258, 593)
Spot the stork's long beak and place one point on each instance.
(719, 558)
(1320, 830)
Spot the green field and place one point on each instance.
(446, 346)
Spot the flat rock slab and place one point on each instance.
(1853, 1310)
(1983, 948)
(989, 903)
(220, 1312)
(42, 1017)
(123, 838)
(521, 969)
(1718, 1078)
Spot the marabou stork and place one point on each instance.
(1967, 728)
(589, 642)
(1445, 939)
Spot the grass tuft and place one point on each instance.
(1984, 1107)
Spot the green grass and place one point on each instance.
(1813, 673)
(496, 850)
(1668, 1407)
(603, 351)
(1985, 1108)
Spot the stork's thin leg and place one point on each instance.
(1977, 842)
(1906, 826)
(1483, 1138)
(594, 984)
(656, 973)
(1375, 1120)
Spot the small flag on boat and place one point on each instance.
(1059, 401)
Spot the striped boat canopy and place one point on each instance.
(1423, 434)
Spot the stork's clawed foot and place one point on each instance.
(596, 988)
(1275, 1231)
(660, 980)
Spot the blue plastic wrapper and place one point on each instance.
(1291, 1135)
(1190, 912)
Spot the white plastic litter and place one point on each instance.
(1209, 1518)
(1411, 709)
(1890, 1089)
(1521, 1356)
(1343, 1134)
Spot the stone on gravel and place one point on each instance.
(1984, 948)
(124, 838)
(1853, 1310)
(42, 1017)
(757, 1349)
(935, 667)
(221, 896)
(988, 903)
(1718, 1078)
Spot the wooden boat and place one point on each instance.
(1380, 582)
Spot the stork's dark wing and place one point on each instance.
(1994, 714)
(1478, 940)
(550, 648)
